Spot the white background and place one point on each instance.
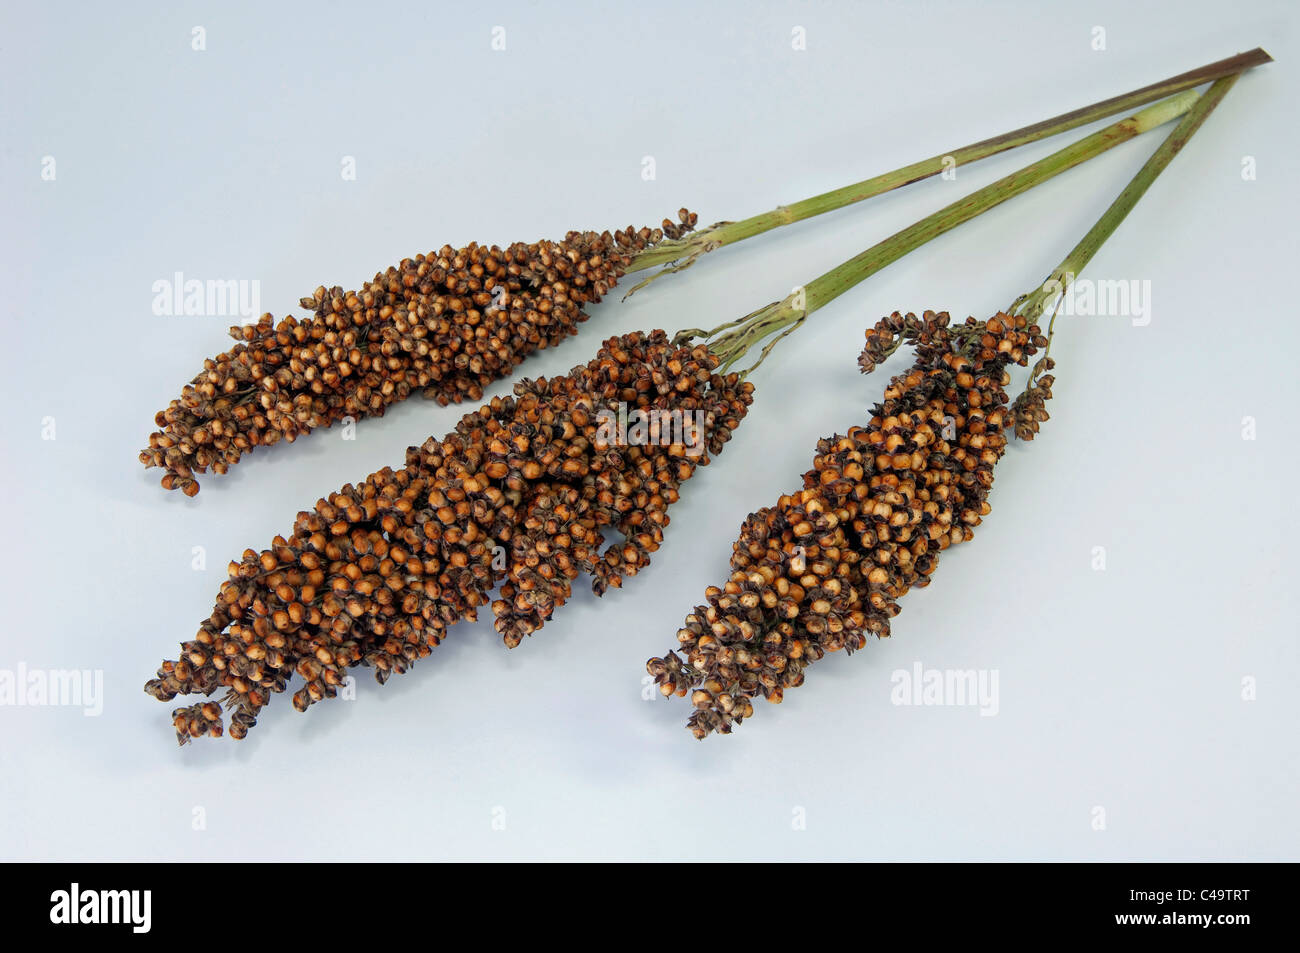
(1119, 689)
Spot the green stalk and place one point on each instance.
(786, 315)
(1033, 304)
(676, 255)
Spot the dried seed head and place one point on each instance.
(825, 567)
(376, 572)
(446, 324)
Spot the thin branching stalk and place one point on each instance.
(679, 254)
(785, 315)
(1033, 304)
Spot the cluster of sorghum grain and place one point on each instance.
(517, 495)
(1028, 410)
(446, 324)
(826, 566)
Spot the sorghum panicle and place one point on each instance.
(826, 566)
(445, 324)
(376, 573)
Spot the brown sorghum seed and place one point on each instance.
(878, 520)
(442, 517)
(446, 324)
